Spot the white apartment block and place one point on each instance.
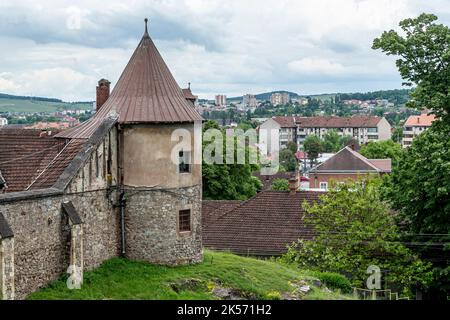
(291, 128)
(249, 100)
(414, 126)
(279, 98)
(221, 100)
(3, 122)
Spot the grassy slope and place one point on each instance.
(19, 105)
(122, 279)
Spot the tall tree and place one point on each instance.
(382, 150)
(355, 229)
(420, 187)
(228, 181)
(313, 147)
(423, 53)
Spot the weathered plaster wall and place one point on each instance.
(147, 161)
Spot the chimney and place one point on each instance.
(293, 185)
(102, 92)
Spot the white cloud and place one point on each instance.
(314, 66)
(308, 46)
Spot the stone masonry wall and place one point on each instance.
(42, 236)
(151, 224)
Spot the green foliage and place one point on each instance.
(287, 159)
(228, 181)
(355, 229)
(382, 150)
(424, 61)
(124, 280)
(313, 146)
(333, 142)
(419, 188)
(334, 281)
(397, 135)
(280, 185)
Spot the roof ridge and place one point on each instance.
(362, 158)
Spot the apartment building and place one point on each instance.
(221, 100)
(249, 101)
(414, 126)
(292, 128)
(279, 98)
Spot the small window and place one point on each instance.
(184, 220)
(324, 185)
(184, 159)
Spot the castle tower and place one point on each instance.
(159, 160)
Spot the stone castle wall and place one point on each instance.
(151, 224)
(42, 236)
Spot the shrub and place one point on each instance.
(335, 281)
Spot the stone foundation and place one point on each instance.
(151, 225)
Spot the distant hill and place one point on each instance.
(12, 103)
(265, 96)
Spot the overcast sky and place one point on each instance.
(61, 48)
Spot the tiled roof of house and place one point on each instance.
(33, 159)
(385, 165)
(328, 122)
(348, 160)
(285, 122)
(424, 120)
(146, 92)
(267, 180)
(212, 209)
(263, 225)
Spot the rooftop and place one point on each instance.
(424, 120)
(146, 92)
(33, 159)
(348, 160)
(328, 122)
(263, 225)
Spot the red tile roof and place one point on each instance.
(348, 160)
(328, 122)
(33, 159)
(268, 179)
(212, 209)
(263, 225)
(423, 120)
(146, 92)
(285, 122)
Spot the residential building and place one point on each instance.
(344, 165)
(414, 126)
(249, 101)
(221, 100)
(363, 129)
(117, 184)
(3, 122)
(264, 225)
(279, 98)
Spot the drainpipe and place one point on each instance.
(122, 205)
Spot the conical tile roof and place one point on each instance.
(146, 92)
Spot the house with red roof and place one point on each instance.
(414, 126)
(347, 164)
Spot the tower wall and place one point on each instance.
(156, 191)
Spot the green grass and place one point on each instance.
(29, 106)
(123, 279)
